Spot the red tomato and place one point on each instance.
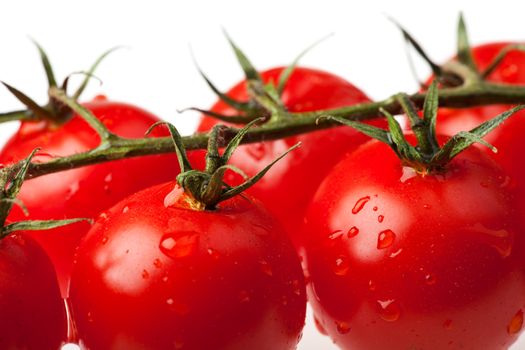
(287, 188)
(403, 261)
(508, 138)
(32, 312)
(155, 274)
(82, 192)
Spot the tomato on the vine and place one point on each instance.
(508, 138)
(32, 312)
(82, 192)
(286, 189)
(402, 260)
(155, 273)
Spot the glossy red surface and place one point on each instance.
(398, 260)
(153, 274)
(82, 192)
(288, 187)
(32, 312)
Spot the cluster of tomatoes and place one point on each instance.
(391, 258)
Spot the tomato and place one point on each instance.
(399, 260)
(287, 188)
(507, 138)
(33, 314)
(82, 192)
(153, 273)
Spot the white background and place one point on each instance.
(157, 73)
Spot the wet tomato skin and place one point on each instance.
(149, 276)
(288, 187)
(401, 261)
(508, 137)
(32, 312)
(82, 192)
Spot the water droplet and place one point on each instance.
(266, 268)
(157, 263)
(244, 296)
(360, 204)
(89, 316)
(371, 285)
(335, 235)
(426, 206)
(374, 208)
(256, 150)
(353, 232)
(389, 310)
(177, 307)
(341, 266)
(213, 253)
(447, 324)
(179, 246)
(103, 217)
(145, 274)
(396, 253)
(104, 240)
(385, 239)
(72, 190)
(125, 209)
(296, 287)
(430, 279)
(342, 327)
(108, 178)
(380, 218)
(319, 326)
(516, 323)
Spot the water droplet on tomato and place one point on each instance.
(266, 268)
(335, 235)
(177, 307)
(72, 190)
(104, 240)
(145, 274)
(380, 218)
(342, 327)
(341, 266)
(389, 310)
(385, 239)
(371, 285)
(352, 232)
(125, 209)
(179, 246)
(89, 317)
(447, 324)
(319, 326)
(430, 279)
(396, 253)
(165, 279)
(244, 296)
(296, 285)
(407, 174)
(516, 323)
(358, 206)
(256, 150)
(157, 263)
(426, 206)
(213, 253)
(374, 208)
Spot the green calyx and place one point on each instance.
(427, 156)
(11, 180)
(53, 110)
(264, 98)
(463, 71)
(207, 188)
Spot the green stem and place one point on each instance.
(475, 94)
